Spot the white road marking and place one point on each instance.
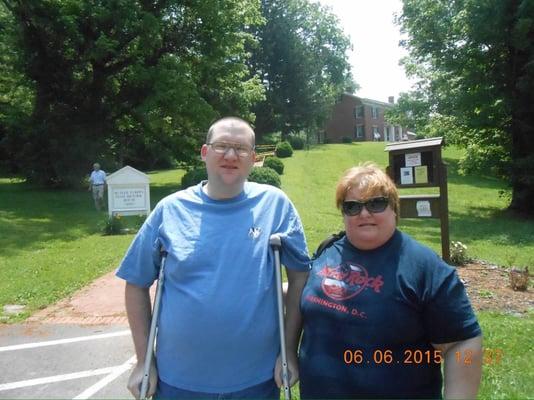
(89, 392)
(56, 378)
(63, 341)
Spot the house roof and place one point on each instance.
(370, 101)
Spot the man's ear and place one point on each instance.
(204, 151)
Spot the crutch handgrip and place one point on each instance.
(276, 244)
(275, 240)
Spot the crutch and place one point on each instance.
(153, 327)
(276, 243)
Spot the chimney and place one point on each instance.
(391, 99)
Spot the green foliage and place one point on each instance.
(412, 110)
(270, 138)
(474, 60)
(265, 175)
(459, 254)
(274, 163)
(346, 139)
(113, 225)
(283, 150)
(126, 82)
(302, 61)
(296, 141)
(194, 177)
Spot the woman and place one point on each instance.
(381, 311)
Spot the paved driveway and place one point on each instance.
(80, 348)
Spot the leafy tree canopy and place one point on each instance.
(302, 61)
(123, 81)
(475, 61)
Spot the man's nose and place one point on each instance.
(231, 153)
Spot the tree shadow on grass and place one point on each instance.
(475, 180)
(31, 217)
(496, 227)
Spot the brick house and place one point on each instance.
(362, 120)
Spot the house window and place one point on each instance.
(358, 132)
(374, 112)
(358, 111)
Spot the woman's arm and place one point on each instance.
(462, 367)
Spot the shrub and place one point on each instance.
(459, 253)
(270, 138)
(194, 177)
(283, 150)
(346, 139)
(274, 163)
(265, 175)
(112, 225)
(296, 141)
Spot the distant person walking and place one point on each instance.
(97, 183)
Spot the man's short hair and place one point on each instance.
(233, 122)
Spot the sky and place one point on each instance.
(375, 37)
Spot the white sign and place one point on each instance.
(412, 159)
(423, 208)
(129, 199)
(406, 176)
(129, 192)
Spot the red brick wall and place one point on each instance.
(343, 121)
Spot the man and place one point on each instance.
(97, 181)
(217, 332)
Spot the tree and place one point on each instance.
(301, 60)
(412, 111)
(128, 81)
(475, 59)
(16, 94)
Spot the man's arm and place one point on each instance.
(293, 324)
(463, 368)
(139, 311)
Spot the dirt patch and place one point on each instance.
(488, 287)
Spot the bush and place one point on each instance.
(346, 139)
(112, 225)
(459, 253)
(270, 138)
(194, 177)
(274, 163)
(296, 141)
(265, 175)
(283, 150)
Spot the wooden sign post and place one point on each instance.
(415, 164)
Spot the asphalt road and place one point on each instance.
(51, 361)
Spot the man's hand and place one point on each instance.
(293, 370)
(136, 377)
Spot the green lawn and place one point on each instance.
(51, 243)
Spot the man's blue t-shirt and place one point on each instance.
(218, 328)
(370, 318)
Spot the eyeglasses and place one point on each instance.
(240, 149)
(374, 205)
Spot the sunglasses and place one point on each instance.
(374, 205)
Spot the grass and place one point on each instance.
(476, 215)
(52, 245)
